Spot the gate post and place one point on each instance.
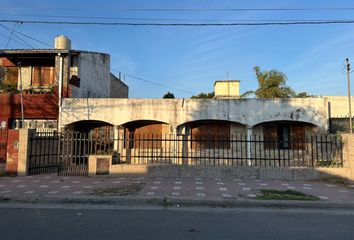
(24, 150)
(249, 146)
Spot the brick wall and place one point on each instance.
(12, 152)
(36, 106)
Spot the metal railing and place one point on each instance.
(69, 151)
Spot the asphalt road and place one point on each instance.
(91, 222)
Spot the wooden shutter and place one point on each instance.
(298, 137)
(270, 136)
(36, 76)
(47, 76)
(208, 135)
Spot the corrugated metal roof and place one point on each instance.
(46, 51)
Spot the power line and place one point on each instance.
(15, 35)
(181, 24)
(139, 78)
(32, 38)
(157, 84)
(184, 9)
(7, 37)
(12, 32)
(129, 75)
(169, 19)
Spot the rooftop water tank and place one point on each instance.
(62, 42)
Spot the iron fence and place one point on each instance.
(312, 151)
(68, 152)
(44, 152)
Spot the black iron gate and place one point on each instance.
(43, 153)
(74, 154)
(62, 153)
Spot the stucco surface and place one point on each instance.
(176, 112)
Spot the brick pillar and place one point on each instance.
(348, 153)
(23, 151)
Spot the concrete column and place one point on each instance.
(183, 134)
(115, 138)
(174, 146)
(24, 150)
(249, 139)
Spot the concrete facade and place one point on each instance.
(178, 112)
(339, 106)
(118, 88)
(228, 89)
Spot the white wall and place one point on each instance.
(340, 106)
(179, 111)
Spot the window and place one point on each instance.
(284, 136)
(42, 76)
(210, 135)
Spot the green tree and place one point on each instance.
(168, 95)
(303, 95)
(272, 84)
(203, 96)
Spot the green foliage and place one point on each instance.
(8, 79)
(272, 84)
(203, 96)
(169, 95)
(270, 194)
(304, 95)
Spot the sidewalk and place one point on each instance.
(176, 191)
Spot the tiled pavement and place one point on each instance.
(37, 186)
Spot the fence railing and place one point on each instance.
(317, 150)
(70, 150)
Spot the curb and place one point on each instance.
(181, 202)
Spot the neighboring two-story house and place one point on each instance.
(44, 76)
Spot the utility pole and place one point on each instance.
(349, 98)
(60, 89)
(21, 92)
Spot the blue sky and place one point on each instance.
(192, 58)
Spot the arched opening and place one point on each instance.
(284, 134)
(144, 133)
(94, 128)
(206, 134)
(91, 136)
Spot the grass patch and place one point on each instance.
(270, 194)
(126, 190)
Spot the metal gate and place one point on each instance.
(62, 153)
(43, 153)
(74, 153)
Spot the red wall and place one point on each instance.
(12, 152)
(36, 106)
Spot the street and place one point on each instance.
(110, 222)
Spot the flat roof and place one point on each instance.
(50, 51)
(217, 81)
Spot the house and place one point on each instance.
(45, 76)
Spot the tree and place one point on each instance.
(304, 95)
(203, 96)
(168, 95)
(272, 84)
